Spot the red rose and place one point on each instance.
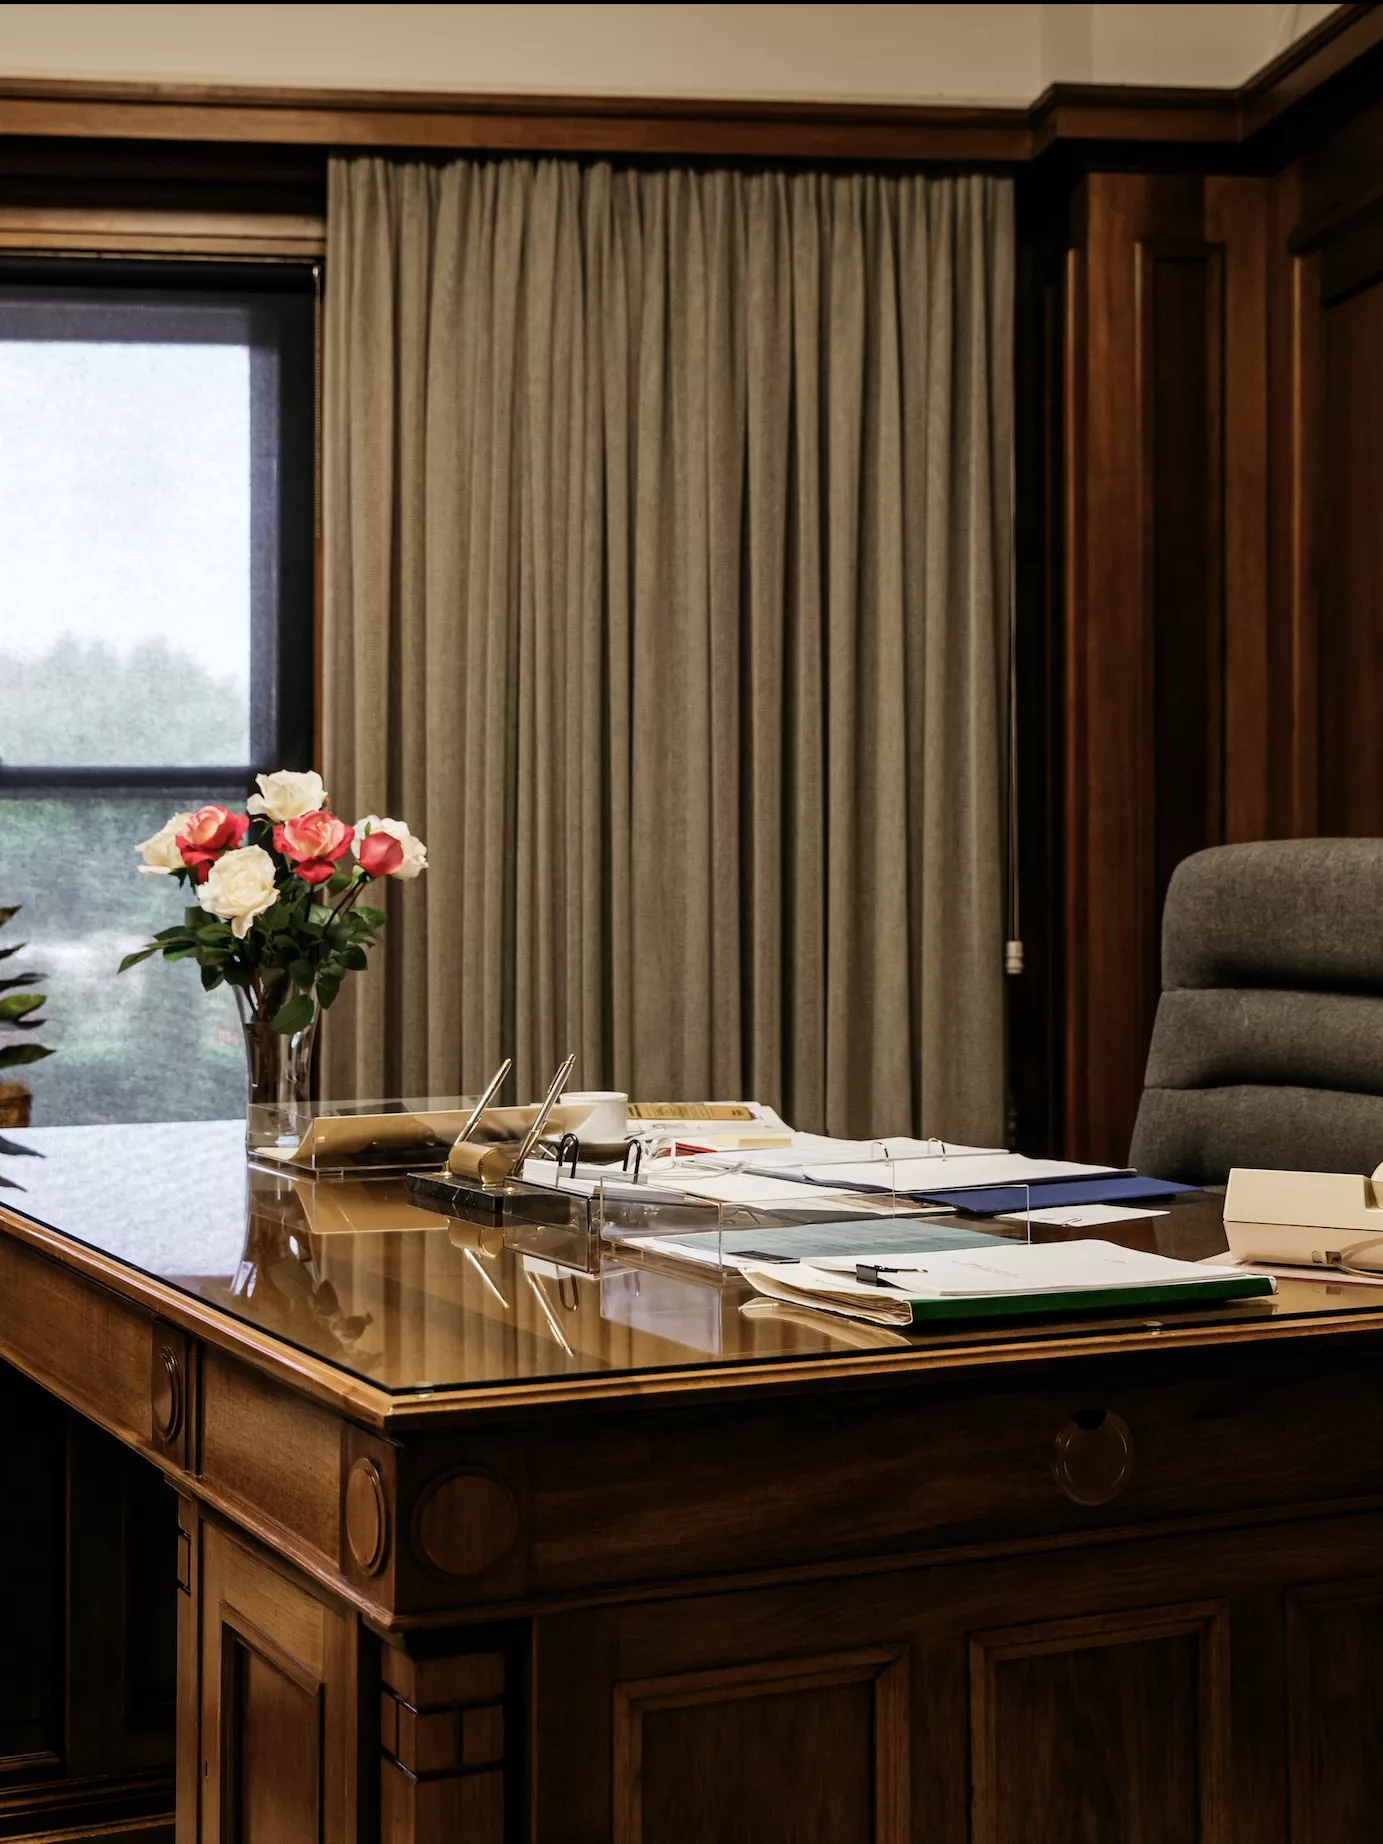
(379, 854)
(209, 832)
(312, 843)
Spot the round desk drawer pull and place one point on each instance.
(167, 1396)
(1092, 1457)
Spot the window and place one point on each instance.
(156, 635)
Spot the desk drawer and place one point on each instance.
(934, 1463)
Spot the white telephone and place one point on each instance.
(1306, 1219)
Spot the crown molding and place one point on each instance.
(1220, 122)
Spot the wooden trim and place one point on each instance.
(177, 233)
(1305, 415)
(1298, 72)
(442, 121)
(1118, 112)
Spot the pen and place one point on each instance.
(491, 1090)
(535, 1131)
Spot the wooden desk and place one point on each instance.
(468, 1549)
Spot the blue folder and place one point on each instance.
(1120, 1188)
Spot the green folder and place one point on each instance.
(1135, 1281)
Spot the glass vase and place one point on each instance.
(278, 1067)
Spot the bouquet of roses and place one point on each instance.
(278, 914)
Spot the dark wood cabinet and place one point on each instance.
(87, 1647)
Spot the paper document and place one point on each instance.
(1017, 1276)
(1079, 1216)
(965, 1172)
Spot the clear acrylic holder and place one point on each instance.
(875, 1208)
(355, 1138)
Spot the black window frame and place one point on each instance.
(284, 448)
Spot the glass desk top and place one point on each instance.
(409, 1300)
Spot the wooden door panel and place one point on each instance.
(273, 1724)
(1335, 1691)
(278, 1703)
(801, 1748)
(1112, 1727)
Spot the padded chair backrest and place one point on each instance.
(1268, 1044)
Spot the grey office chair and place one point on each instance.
(1268, 1044)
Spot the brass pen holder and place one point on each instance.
(492, 1164)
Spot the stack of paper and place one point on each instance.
(996, 1281)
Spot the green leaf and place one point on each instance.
(133, 960)
(193, 916)
(12, 1149)
(20, 979)
(179, 932)
(18, 1004)
(303, 973)
(371, 918)
(354, 958)
(328, 985)
(211, 977)
(236, 975)
(294, 1016)
(8, 915)
(19, 949)
(12, 1055)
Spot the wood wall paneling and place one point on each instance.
(1222, 621)
(1351, 557)
(1144, 612)
(1236, 224)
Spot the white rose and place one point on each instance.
(286, 795)
(239, 887)
(161, 855)
(414, 851)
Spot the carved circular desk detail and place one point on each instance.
(1092, 1457)
(167, 1395)
(367, 1516)
(465, 1522)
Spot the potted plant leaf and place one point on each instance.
(18, 1007)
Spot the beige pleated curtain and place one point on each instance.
(667, 534)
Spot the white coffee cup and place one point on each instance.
(608, 1119)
